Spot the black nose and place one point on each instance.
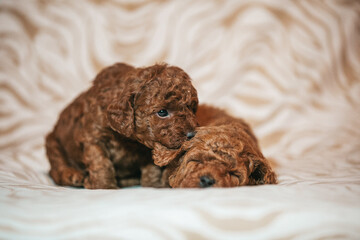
(206, 181)
(190, 135)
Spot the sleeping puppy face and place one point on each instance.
(159, 108)
(218, 156)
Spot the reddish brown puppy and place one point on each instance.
(223, 153)
(104, 138)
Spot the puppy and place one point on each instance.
(104, 137)
(223, 153)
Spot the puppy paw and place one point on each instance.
(76, 177)
(68, 177)
(91, 182)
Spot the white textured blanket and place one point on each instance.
(290, 68)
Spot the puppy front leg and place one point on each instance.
(101, 173)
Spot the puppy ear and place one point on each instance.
(162, 156)
(261, 172)
(120, 115)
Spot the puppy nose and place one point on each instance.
(190, 135)
(206, 181)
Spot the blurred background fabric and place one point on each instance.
(290, 68)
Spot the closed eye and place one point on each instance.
(194, 160)
(235, 174)
(236, 178)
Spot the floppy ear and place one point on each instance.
(162, 156)
(120, 115)
(261, 172)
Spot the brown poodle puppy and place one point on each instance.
(104, 138)
(223, 153)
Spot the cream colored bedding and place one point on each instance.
(290, 68)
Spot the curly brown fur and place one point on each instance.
(223, 153)
(104, 137)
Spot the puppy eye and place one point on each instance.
(194, 160)
(162, 113)
(236, 174)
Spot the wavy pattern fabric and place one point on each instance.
(290, 68)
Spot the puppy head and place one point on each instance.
(159, 107)
(215, 157)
